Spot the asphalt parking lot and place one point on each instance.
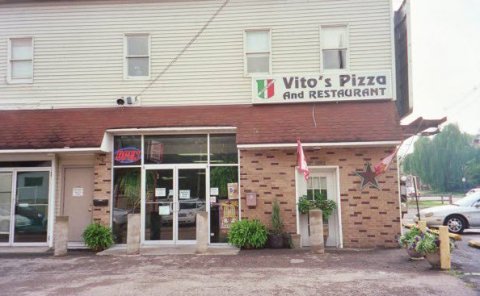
(265, 272)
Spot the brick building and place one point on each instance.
(189, 106)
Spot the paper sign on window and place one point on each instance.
(160, 192)
(214, 191)
(232, 190)
(164, 210)
(184, 194)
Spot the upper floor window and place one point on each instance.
(20, 60)
(257, 51)
(137, 55)
(334, 44)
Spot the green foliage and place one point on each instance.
(221, 176)
(319, 201)
(277, 222)
(441, 162)
(429, 243)
(472, 172)
(248, 234)
(98, 237)
(408, 238)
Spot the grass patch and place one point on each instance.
(425, 203)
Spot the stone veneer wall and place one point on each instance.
(370, 217)
(102, 187)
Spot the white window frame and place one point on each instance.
(245, 52)
(10, 79)
(126, 56)
(347, 48)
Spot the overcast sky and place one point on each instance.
(446, 61)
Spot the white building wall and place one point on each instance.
(78, 55)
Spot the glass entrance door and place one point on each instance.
(159, 205)
(191, 199)
(173, 196)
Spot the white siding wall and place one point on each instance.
(78, 59)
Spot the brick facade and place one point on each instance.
(370, 217)
(102, 187)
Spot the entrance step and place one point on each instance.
(168, 250)
(25, 250)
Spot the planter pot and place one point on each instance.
(414, 254)
(433, 259)
(275, 241)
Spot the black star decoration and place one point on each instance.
(368, 177)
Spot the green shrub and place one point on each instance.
(248, 234)
(98, 237)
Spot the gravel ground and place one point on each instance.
(266, 272)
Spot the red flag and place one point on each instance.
(302, 162)
(383, 165)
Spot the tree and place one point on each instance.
(442, 161)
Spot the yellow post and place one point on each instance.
(445, 262)
(422, 225)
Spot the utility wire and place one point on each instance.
(187, 46)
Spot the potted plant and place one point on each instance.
(276, 234)
(248, 234)
(428, 244)
(409, 242)
(320, 202)
(98, 237)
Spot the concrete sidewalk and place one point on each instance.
(258, 272)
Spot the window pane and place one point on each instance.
(334, 37)
(258, 63)
(32, 188)
(31, 207)
(258, 41)
(21, 48)
(126, 200)
(334, 59)
(137, 66)
(137, 45)
(176, 149)
(223, 149)
(21, 69)
(127, 150)
(223, 211)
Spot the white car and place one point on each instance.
(462, 214)
(473, 190)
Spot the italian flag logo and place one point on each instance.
(265, 88)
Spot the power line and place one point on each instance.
(187, 46)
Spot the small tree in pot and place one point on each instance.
(276, 233)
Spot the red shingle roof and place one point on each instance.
(79, 128)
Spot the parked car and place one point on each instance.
(462, 214)
(21, 222)
(473, 190)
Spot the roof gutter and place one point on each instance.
(321, 145)
(52, 150)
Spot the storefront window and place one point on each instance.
(31, 207)
(223, 149)
(223, 201)
(128, 150)
(176, 149)
(126, 200)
